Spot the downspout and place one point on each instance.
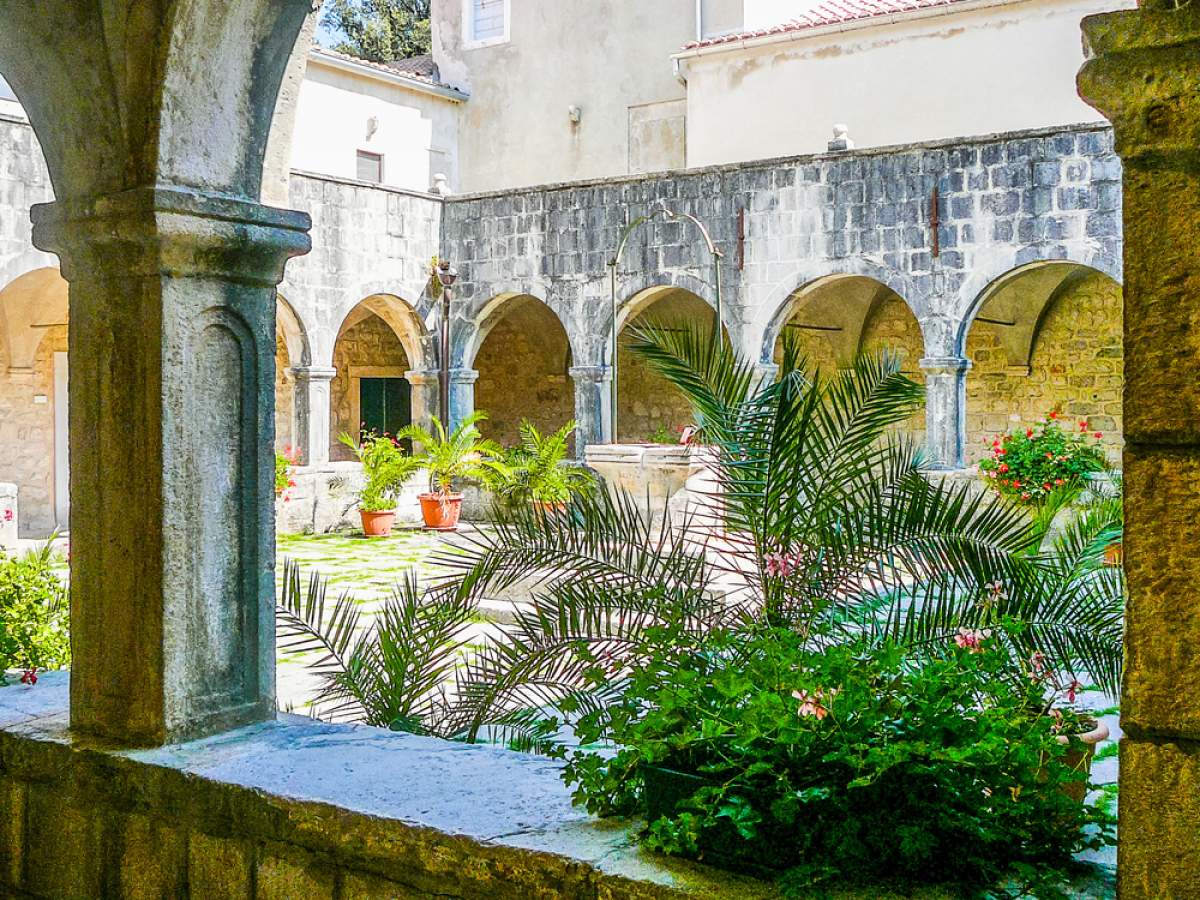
(699, 20)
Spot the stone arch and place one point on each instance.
(469, 336)
(1045, 336)
(33, 431)
(776, 309)
(379, 343)
(646, 403)
(987, 277)
(292, 350)
(523, 354)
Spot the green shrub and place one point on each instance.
(853, 760)
(537, 468)
(1029, 464)
(33, 614)
(386, 468)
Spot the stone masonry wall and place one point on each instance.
(1076, 370)
(27, 435)
(522, 367)
(285, 396)
(367, 343)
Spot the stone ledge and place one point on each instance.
(314, 809)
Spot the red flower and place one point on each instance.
(29, 677)
(1003, 467)
(1054, 415)
(1098, 435)
(1046, 486)
(1028, 432)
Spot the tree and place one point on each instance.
(380, 30)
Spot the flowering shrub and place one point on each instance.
(1028, 464)
(285, 460)
(386, 467)
(765, 753)
(33, 615)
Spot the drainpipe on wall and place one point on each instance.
(699, 20)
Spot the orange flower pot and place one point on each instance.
(1114, 554)
(542, 507)
(377, 524)
(441, 511)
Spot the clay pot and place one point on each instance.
(441, 511)
(542, 507)
(377, 524)
(1080, 758)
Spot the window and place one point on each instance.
(485, 21)
(370, 167)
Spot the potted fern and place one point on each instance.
(538, 471)
(386, 468)
(449, 458)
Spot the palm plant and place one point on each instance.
(386, 468)
(460, 454)
(393, 673)
(537, 469)
(825, 524)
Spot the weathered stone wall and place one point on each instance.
(369, 342)
(285, 397)
(646, 402)
(522, 367)
(27, 434)
(1076, 369)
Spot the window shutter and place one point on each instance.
(370, 167)
(487, 19)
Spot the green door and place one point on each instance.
(385, 404)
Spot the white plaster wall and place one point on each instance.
(603, 56)
(1002, 68)
(417, 133)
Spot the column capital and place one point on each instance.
(313, 373)
(463, 376)
(1142, 64)
(944, 365)
(171, 232)
(417, 378)
(594, 374)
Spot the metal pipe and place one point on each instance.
(444, 358)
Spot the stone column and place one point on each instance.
(424, 396)
(593, 389)
(945, 410)
(462, 395)
(764, 374)
(1143, 72)
(172, 333)
(312, 412)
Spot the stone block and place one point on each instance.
(219, 868)
(368, 887)
(284, 874)
(153, 859)
(1160, 790)
(12, 831)
(64, 845)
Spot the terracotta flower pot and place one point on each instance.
(441, 511)
(542, 507)
(1080, 758)
(377, 524)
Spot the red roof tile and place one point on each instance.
(828, 12)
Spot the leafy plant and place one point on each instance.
(536, 468)
(34, 614)
(1031, 464)
(285, 461)
(760, 751)
(386, 468)
(392, 673)
(461, 454)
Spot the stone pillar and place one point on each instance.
(424, 396)
(462, 395)
(945, 410)
(1143, 72)
(593, 389)
(312, 413)
(764, 374)
(172, 335)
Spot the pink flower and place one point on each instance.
(1071, 689)
(815, 704)
(1037, 663)
(972, 640)
(780, 565)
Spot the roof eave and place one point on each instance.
(387, 76)
(815, 31)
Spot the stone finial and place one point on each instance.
(441, 185)
(841, 139)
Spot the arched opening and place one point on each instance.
(1046, 337)
(33, 399)
(523, 358)
(649, 409)
(291, 349)
(835, 319)
(376, 346)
